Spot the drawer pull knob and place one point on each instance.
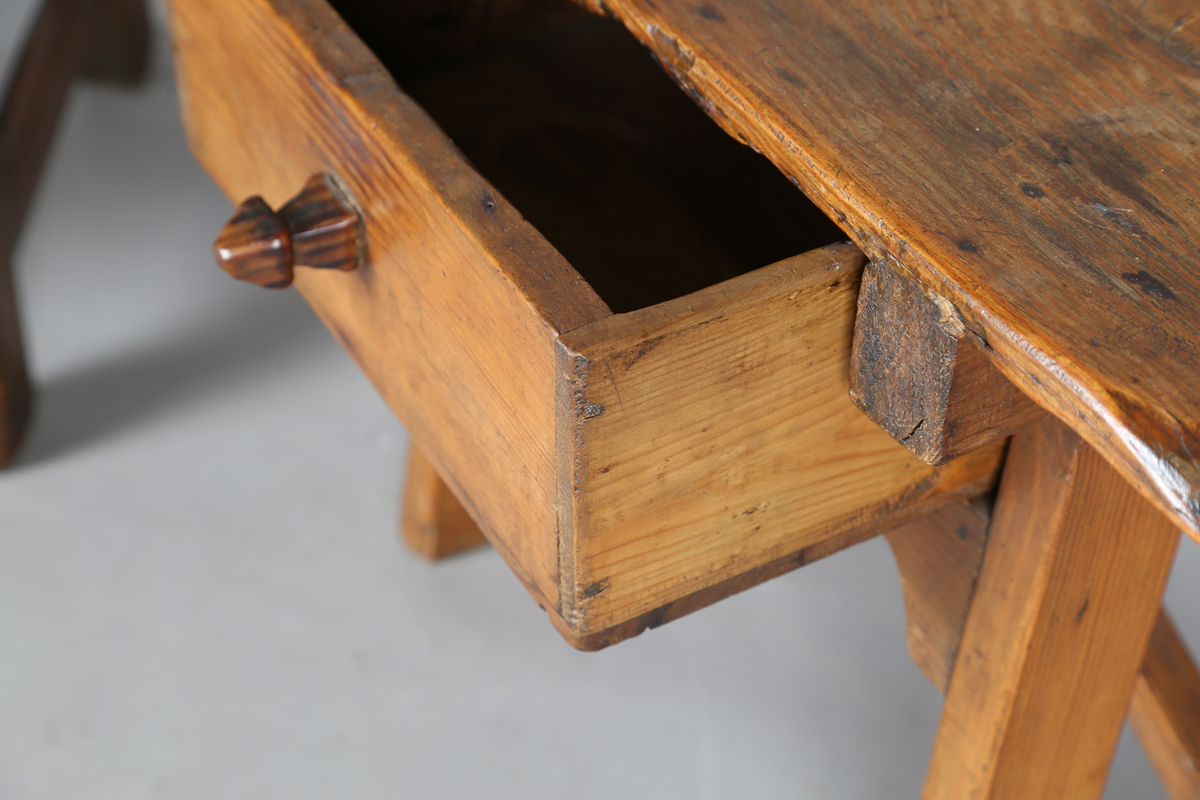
(317, 228)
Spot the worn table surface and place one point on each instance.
(1033, 163)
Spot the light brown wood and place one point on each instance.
(939, 558)
(1033, 163)
(597, 147)
(453, 316)
(1066, 599)
(713, 434)
(456, 313)
(1166, 711)
(433, 522)
(918, 374)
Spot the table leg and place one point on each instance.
(98, 38)
(939, 558)
(433, 522)
(1166, 712)
(1067, 596)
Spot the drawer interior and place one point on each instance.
(573, 121)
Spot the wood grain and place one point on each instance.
(920, 376)
(255, 246)
(1166, 711)
(434, 524)
(1033, 163)
(1063, 610)
(939, 558)
(454, 315)
(708, 436)
(317, 229)
(457, 313)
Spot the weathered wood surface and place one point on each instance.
(1065, 602)
(939, 559)
(104, 39)
(433, 522)
(918, 374)
(708, 436)
(119, 51)
(1033, 163)
(456, 314)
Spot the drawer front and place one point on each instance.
(630, 467)
(713, 444)
(455, 312)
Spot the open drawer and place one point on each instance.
(629, 466)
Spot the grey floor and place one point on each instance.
(202, 594)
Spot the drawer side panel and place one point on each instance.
(454, 315)
(717, 446)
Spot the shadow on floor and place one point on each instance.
(245, 340)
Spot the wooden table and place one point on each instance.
(1021, 177)
(1031, 170)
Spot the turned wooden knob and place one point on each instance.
(318, 228)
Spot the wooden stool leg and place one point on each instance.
(433, 522)
(102, 37)
(15, 392)
(120, 43)
(1166, 712)
(939, 558)
(1067, 596)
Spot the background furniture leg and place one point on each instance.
(433, 522)
(119, 50)
(919, 375)
(1066, 599)
(69, 38)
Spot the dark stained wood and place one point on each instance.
(433, 522)
(1033, 163)
(918, 374)
(417, 33)
(37, 89)
(16, 394)
(120, 43)
(1166, 711)
(318, 228)
(1058, 626)
(462, 312)
(65, 36)
(326, 231)
(255, 246)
